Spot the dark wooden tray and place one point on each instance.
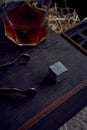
(78, 36)
(54, 103)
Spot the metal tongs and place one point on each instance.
(30, 92)
(23, 58)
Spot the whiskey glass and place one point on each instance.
(25, 21)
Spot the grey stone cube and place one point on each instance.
(57, 71)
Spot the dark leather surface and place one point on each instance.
(16, 109)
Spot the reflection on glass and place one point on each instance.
(25, 22)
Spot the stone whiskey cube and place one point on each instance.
(57, 71)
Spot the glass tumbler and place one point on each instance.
(25, 21)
